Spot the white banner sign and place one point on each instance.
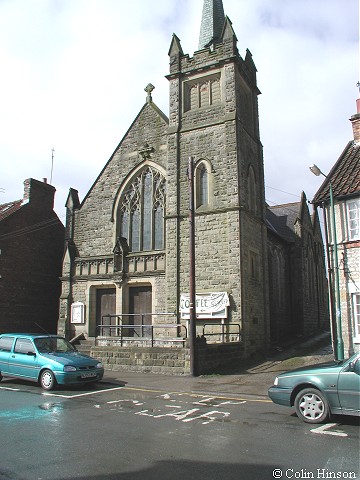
(208, 305)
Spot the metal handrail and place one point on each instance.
(117, 331)
(121, 315)
(222, 333)
(120, 328)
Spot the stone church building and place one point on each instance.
(260, 276)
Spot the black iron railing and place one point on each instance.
(225, 330)
(139, 329)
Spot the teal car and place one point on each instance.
(318, 391)
(46, 359)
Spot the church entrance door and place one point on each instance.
(140, 308)
(106, 305)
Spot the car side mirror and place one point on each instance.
(354, 367)
(31, 354)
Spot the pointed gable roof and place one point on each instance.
(8, 209)
(281, 219)
(149, 105)
(212, 23)
(344, 176)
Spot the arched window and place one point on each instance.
(252, 190)
(141, 211)
(202, 185)
(311, 269)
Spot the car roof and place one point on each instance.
(29, 335)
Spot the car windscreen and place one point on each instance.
(53, 345)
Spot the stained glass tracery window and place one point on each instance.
(142, 207)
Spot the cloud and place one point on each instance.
(74, 73)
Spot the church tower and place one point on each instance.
(213, 117)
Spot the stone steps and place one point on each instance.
(85, 346)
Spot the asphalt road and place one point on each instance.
(119, 432)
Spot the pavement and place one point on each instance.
(250, 379)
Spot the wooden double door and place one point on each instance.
(140, 308)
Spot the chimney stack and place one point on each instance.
(355, 120)
(39, 193)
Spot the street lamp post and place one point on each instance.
(339, 340)
(192, 288)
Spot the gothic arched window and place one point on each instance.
(252, 190)
(202, 185)
(141, 211)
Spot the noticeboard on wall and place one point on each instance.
(78, 312)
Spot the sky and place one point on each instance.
(73, 74)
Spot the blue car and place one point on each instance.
(46, 359)
(318, 391)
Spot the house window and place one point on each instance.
(353, 214)
(356, 304)
(142, 208)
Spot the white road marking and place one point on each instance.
(12, 389)
(323, 430)
(135, 402)
(220, 404)
(81, 394)
(188, 415)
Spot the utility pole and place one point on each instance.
(192, 288)
(335, 285)
(339, 338)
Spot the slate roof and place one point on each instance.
(7, 209)
(344, 176)
(212, 23)
(280, 219)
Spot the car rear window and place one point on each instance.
(6, 344)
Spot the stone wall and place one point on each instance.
(174, 361)
(170, 361)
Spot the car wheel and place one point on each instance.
(1, 377)
(47, 380)
(311, 406)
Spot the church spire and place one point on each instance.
(212, 23)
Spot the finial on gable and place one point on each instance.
(148, 89)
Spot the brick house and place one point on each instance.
(127, 241)
(344, 178)
(31, 251)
